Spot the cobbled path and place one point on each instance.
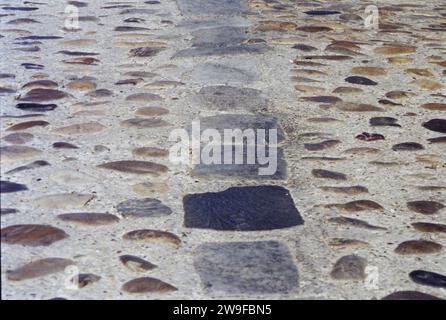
(92, 207)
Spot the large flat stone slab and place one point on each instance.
(231, 98)
(264, 267)
(242, 209)
(190, 8)
(243, 122)
(208, 22)
(260, 157)
(223, 73)
(223, 50)
(275, 169)
(219, 37)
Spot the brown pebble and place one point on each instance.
(150, 152)
(136, 264)
(28, 124)
(147, 285)
(152, 235)
(326, 174)
(425, 207)
(357, 205)
(418, 247)
(135, 167)
(32, 234)
(321, 145)
(429, 227)
(84, 279)
(343, 243)
(89, 219)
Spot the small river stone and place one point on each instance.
(425, 207)
(135, 167)
(410, 295)
(19, 137)
(147, 207)
(32, 234)
(147, 285)
(89, 219)
(408, 146)
(136, 264)
(152, 235)
(428, 278)
(429, 227)
(350, 267)
(39, 268)
(63, 200)
(142, 123)
(8, 187)
(418, 247)
(13, 153)
(84, 279)
(437, 125)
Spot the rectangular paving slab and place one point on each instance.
(190, 8)
(242, 209)
(232, 98)
(264, 267)
(243, 122)
(274, 169)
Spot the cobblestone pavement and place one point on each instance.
(92, 207)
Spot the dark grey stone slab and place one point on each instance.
(223, 50)
(264, 267)
(266, 163)
(242, 209)
(243, 122)
(191, 8)
(201, 23)
(244, 170)
(219, 36)
(215, 73)
(229, 98)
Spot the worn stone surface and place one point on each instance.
(425, 207)
(228, 98)
(14, 153)
(246, 267)
(39, 268)
(86, 116)
(242, 208)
